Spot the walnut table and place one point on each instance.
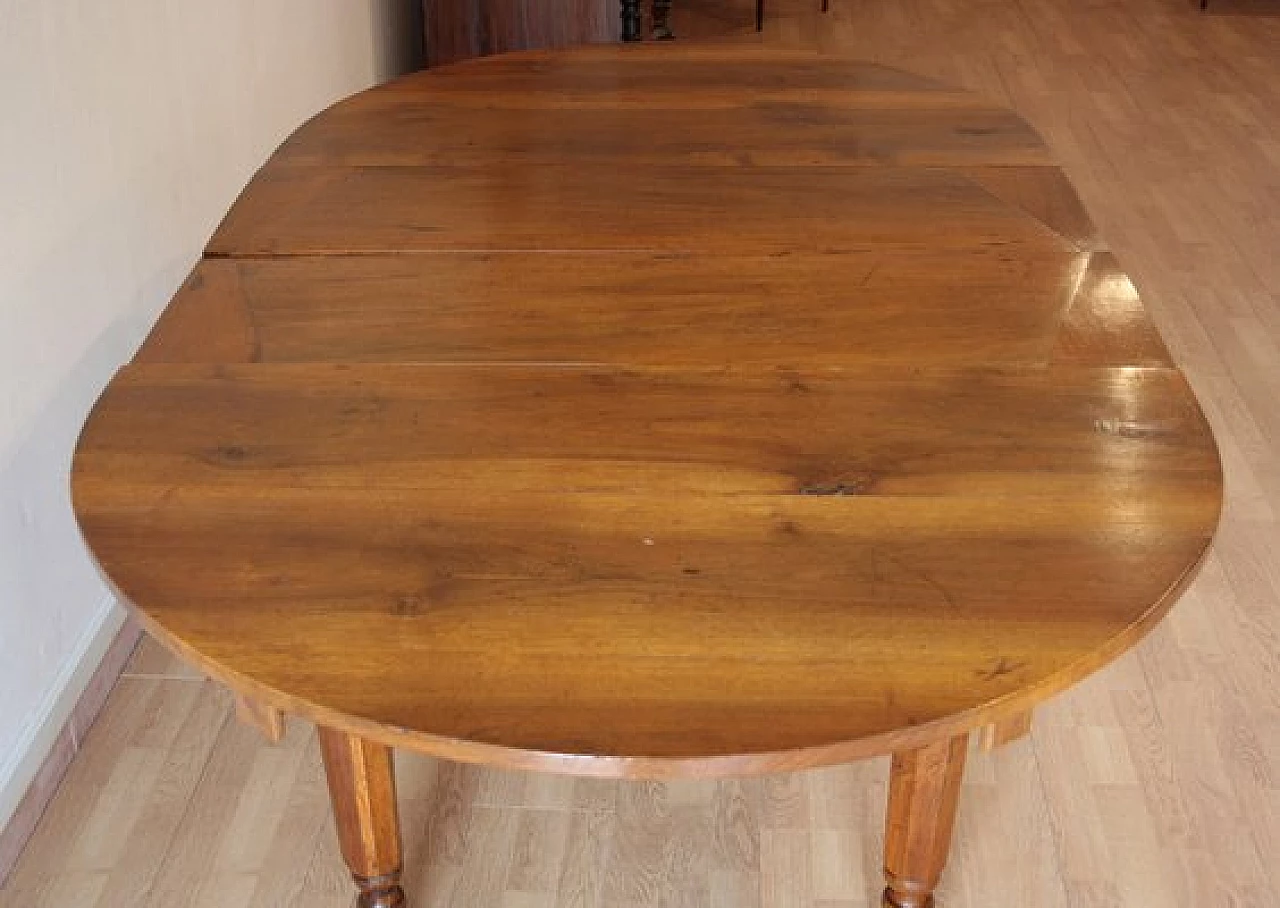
(652, 412)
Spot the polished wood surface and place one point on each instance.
(858, 307)
(1151, 784)
(787, 460)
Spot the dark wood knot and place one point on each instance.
(830, 488)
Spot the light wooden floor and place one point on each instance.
(1155, 784)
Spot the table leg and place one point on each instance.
(268, 721)
(1006, 731)
(362, 787)
(924, 785)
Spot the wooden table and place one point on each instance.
(652, 412)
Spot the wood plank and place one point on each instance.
(211, 324)
(1045, 194)
(984, 306)
(1066, 433)
(639, 583)
(1106, 321)
(298, 211)
(437, 130)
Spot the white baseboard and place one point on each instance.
(35, 740)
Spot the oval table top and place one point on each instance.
(652, 411)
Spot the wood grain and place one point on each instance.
(1162, 116)
(363, 790)
(647, 542)
(671, 208)
(851, 129)
(788, 460)
(924, 788)
(977, 307)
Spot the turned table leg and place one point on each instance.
(924, 785)
(362, 786)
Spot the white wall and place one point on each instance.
(126, 129)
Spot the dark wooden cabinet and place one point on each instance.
(457, 29)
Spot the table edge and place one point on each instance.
(640, 767)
